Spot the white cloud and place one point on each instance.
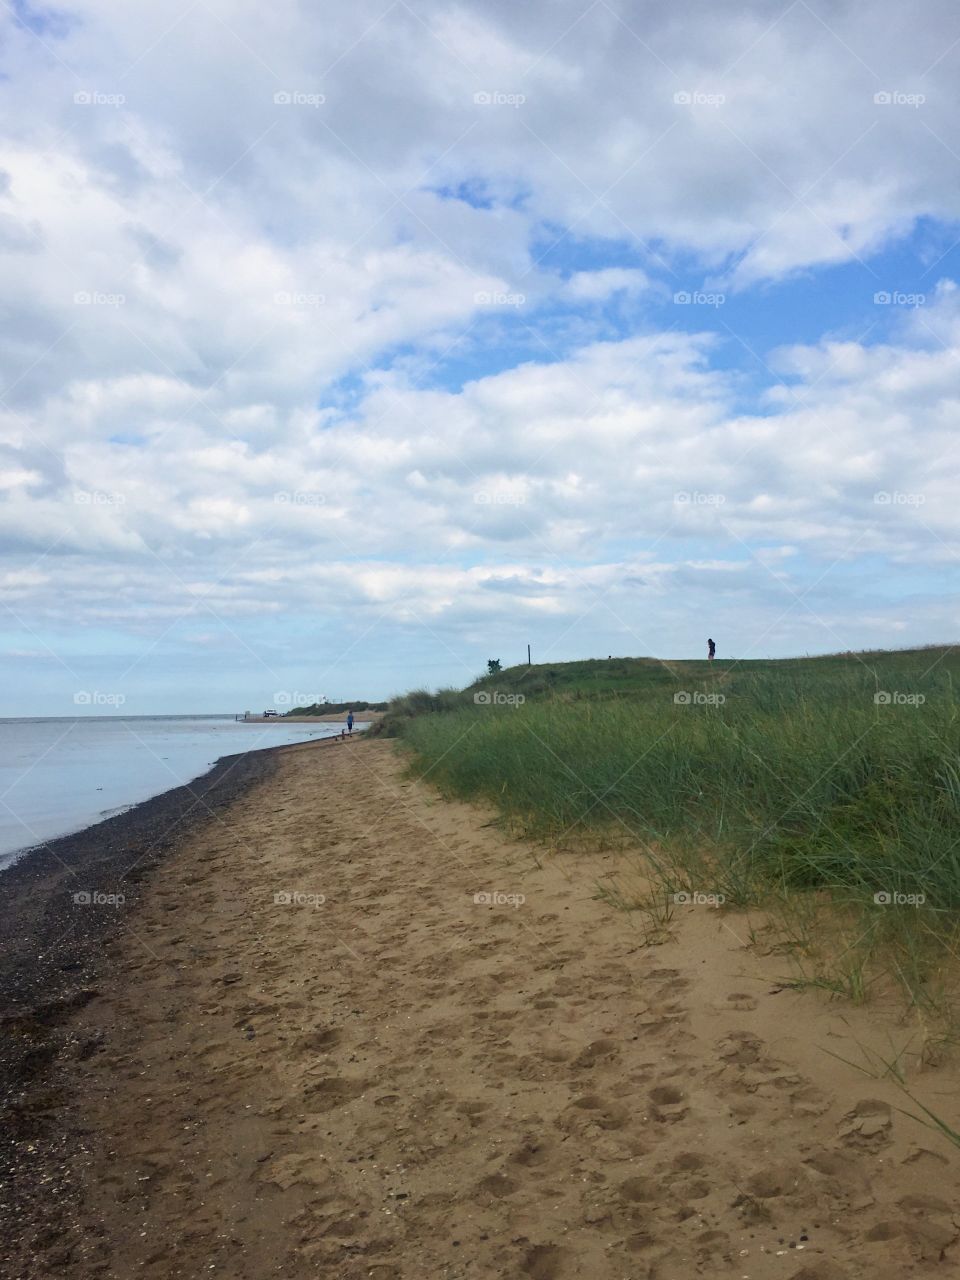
(549, 461)
(594, 286)
(226, 316)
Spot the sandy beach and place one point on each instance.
(313, 1052)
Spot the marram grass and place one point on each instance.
(839, 774)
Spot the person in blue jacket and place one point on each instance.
(349, 722)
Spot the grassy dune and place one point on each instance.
(798, 780)
(334, 708)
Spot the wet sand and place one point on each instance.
(53, 960)
(313, 1052)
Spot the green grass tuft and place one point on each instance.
(837, 775)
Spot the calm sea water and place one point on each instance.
(58, 776)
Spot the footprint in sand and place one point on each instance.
(667, 1103)
(660, 1017)
(710, 1245)
(845, 1178)
(698, 1189)
(548, 1262)
(596, 1051)
(809, 1101)
(541, 1066)
(532, 1152)
(667, 982)
(740, 1048)
(742, 1001)
(930, 1226)
(498, 1185)
(333, 1091)
(777, 1181)
(919, 1239)
(688, 1162)
(640, 1190)
(474, 1111)
(821, 1270)
(289, 1170)
(593, 1109)
(639, 1242)
(867, 1125)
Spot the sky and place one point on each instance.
(346, 346)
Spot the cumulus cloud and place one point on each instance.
(353, 324)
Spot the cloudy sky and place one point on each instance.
(345, 346)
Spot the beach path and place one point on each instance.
(318, 1055)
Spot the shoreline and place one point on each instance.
(53, 952)
(12, 858)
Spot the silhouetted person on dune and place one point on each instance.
(711, 651)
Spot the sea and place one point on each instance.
(58, 776)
